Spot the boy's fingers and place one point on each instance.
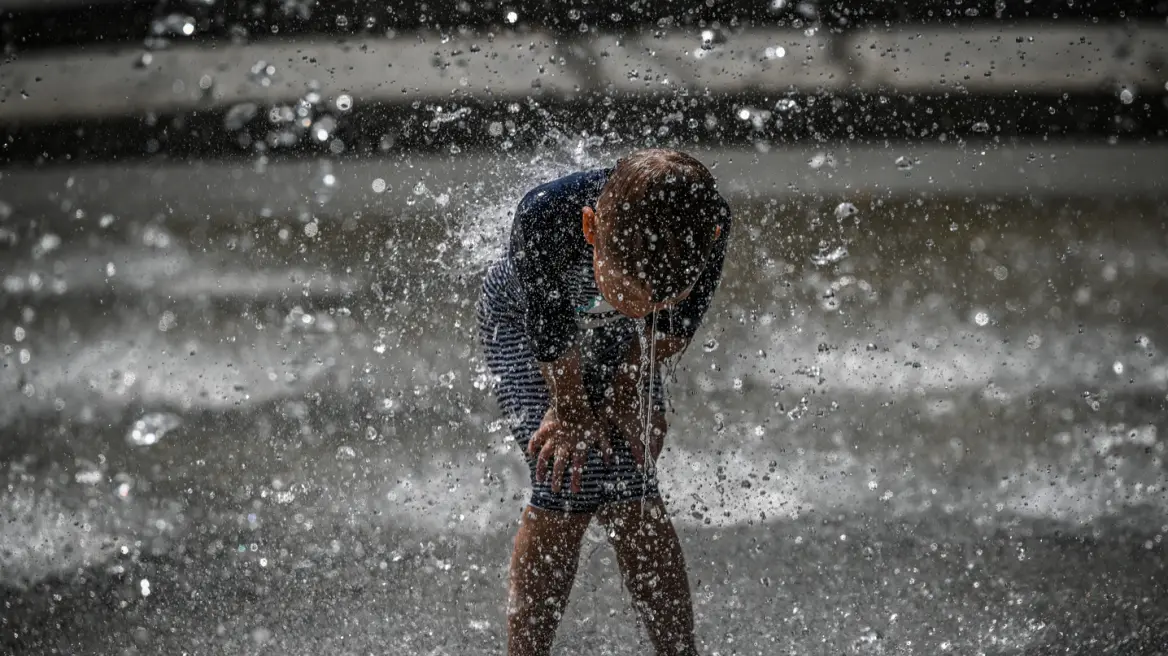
(536, 441)
(541, 463)
(578, 461)
(561, 462)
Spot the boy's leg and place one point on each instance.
(543, 568)
(653, 568)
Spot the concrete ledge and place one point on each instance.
(514, 66)
(1013, 59)
(186, 78)
(438, 186)
(772, 60)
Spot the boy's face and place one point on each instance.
(628, 294)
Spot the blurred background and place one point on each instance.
(244, 411)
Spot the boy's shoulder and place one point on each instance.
(579, 188)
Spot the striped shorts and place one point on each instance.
(523, 397)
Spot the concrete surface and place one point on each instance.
(416, 183)
(515, 65)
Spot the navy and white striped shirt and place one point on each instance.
(547, 282)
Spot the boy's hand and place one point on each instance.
(626, 413)
(564, 439)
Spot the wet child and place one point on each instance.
(607, 276)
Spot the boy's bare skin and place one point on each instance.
(648, 552)
(547, 547)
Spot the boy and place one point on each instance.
(597, 261)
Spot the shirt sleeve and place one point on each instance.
(684, 319)
(540, 258)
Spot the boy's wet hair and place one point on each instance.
(657, 215)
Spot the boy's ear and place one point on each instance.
(589, 225)
(717, 232)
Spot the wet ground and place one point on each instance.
(910, 426)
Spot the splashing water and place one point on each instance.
(648, 344)
(152, 427)
(481, 235)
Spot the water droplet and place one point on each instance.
(827, 255)
(152, 427)
(239, 116)
(156, 236)
(1126, 96)
(344, 102)
(819, 160)
(1117, 367)
(89, 476)
(262, 73)
(981, 127)
(47, 244)
(379, 185)
(1034, 341)
(904, 163)
(710, 345)
(775, 52)
(512, 17)
(311, 229)
(981, 318)
(323, 128)
(173, 25)
(346, 452)
(844, 210)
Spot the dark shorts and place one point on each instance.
(523, 397)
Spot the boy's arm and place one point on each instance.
(566, 385)
(627, 412)
(569, 428)
(629, 373)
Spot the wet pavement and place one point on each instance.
(911, 425)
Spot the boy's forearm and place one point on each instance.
(665, 348)
(566, 384)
